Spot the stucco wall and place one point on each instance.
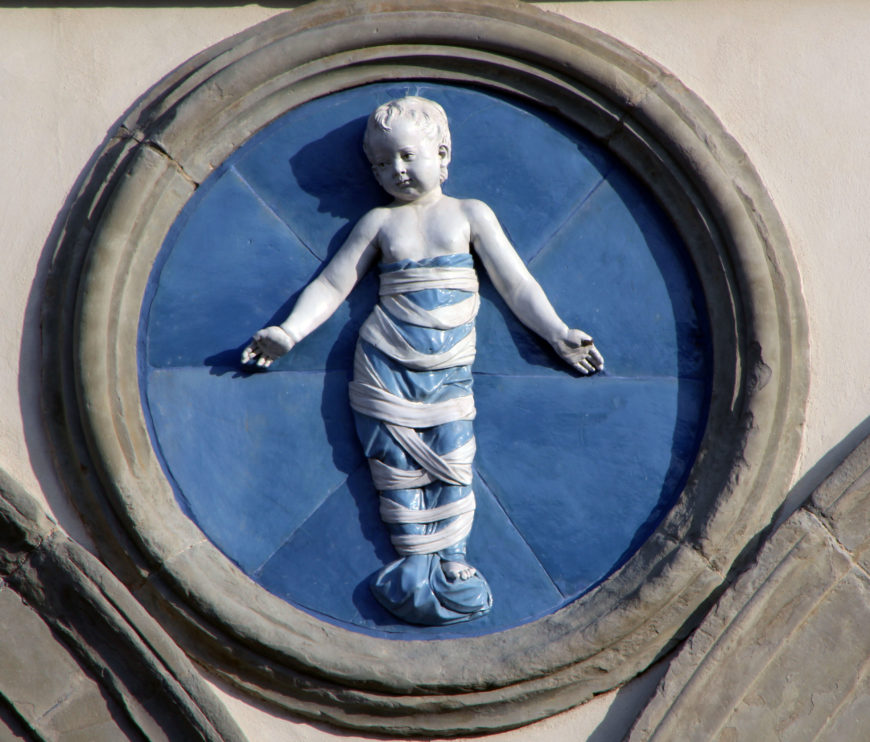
(784, 76)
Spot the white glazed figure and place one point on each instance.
(411, 391)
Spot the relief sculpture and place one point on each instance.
(412, 383)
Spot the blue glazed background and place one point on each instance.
(572, 474)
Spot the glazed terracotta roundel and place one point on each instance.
(572, 474)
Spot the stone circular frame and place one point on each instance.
(186, 126)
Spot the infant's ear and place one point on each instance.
(444, 153)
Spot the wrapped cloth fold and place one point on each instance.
(413, 404)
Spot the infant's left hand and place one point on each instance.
(579, 352)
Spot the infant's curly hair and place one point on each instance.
(425, 113)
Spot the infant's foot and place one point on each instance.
(457, 570)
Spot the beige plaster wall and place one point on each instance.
(786, 77)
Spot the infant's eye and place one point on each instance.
(408, 156)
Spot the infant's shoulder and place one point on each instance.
(374, 219)
(476, 211)
(378, 213)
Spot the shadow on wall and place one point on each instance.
(817, 473)
(38, 397)
(627, 704)
(342, 184)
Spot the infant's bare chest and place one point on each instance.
(415, 239)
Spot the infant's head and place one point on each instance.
(425, 114)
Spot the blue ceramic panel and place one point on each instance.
(309, 167)
(572, 473)
(323, 563)
(232, 259)
(549, 174)
(618, 270)
(253, 458)
(579, 464)
(235, 266)
(326, 567)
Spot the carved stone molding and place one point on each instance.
(187, 125)
(784, 653)
(80, 656)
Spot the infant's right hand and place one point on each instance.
(267, 345)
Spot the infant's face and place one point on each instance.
(406, 162)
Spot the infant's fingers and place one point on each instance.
(595, 358)
(585, 359)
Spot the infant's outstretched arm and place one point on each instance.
(523, 293)
(321, 297)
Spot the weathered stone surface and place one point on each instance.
(84, 715)
(40, 678)
(81, 658)
(843, 502)
(849, 722)
(784, 654)
(804, 683)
